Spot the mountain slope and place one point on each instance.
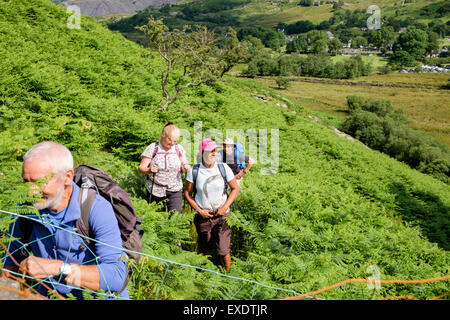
(332, 209)
(113, 7)
(244, 13)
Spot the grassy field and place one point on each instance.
(267, 13)
(376, 61)
(427, 108)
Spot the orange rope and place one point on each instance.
(9, 275)
(440, 296)
(22, 293)
(312, 293)
(23, 283)
(400, 297)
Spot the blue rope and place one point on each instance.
(170, 262)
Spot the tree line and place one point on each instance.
(317, 65)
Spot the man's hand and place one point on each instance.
(205, 213)
(40, 268)
(221, 211)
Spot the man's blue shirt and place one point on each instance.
(61, 242)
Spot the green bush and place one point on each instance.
(283, 82)
(376, 124)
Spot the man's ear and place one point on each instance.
(68, 177)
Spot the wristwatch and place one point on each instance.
(65, 269)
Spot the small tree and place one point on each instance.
(338, 5)
(335, 46)
(283, 82)
(306, 3)
(189, 58)
(298, 44)
(233, 52)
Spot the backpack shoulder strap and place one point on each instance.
(85, 200)
(155, 151)
(224, 176)
(194, 176)
(195, 169)
(26, 225)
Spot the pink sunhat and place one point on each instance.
(208, 145)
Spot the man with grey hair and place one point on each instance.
(60, 254)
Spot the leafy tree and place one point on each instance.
(256, 44)
(274, 40)
(288, 64)
(359, 41)
(318, 41)
(314, 65)
(439, 27)
(306, 3)
(270, 38)
(401, 59)
(189, 49)
(298, 44)
(283, 82)
(301, 26)
(433, 43)
(232, 52)
(355, 102)
(252, 69)
(355, 67)
(267, 65)
(384, 37)
(335, 46)
(414, 42)
(338, 5)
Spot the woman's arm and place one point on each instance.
(184, 162)
(145, 164)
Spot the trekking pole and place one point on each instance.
(151, 191)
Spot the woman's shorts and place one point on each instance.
(213, 233)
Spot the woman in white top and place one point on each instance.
(209, 181)
(163, 162)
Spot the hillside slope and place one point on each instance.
(332, 209)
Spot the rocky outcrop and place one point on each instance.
(11, 290)
(108, 7)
